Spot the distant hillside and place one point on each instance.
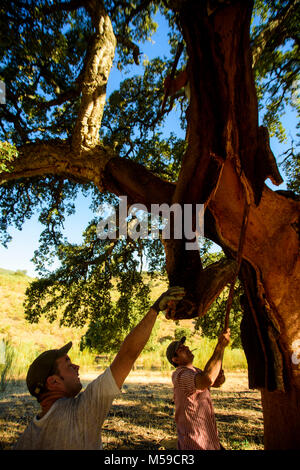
(45, 334)
(12, 322)
(9, 272)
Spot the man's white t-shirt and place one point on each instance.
(73, 423)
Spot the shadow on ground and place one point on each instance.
(143, 417)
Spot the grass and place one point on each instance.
(142, 417)
(7, 354)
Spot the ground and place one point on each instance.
(143, 416)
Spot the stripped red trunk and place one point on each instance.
(225, 166)
(281, 419)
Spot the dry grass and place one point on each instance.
(143, 416)
(13, 324)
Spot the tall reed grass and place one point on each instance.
(233, 358)
(23, 354)
(6, 361)
(203, 350)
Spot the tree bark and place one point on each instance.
(227, 161)
(281, 419)
(99, 61)
(99, 165)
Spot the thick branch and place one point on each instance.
(48, 158)
(100, 166)
(98, 64)
(208, 285)
(125, 177)
(211, 281)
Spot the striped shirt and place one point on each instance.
(194, 415)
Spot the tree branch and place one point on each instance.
(98, 64)
(209, 284)
(68, 95)
(100, 166)
(16, 120)
(274, 30)
(125, 177)
(130, 45)
(63, 6)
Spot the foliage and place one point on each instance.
(35, 72)
(132, 123)
(291, 165)
(180, 332)
(275, 44)
(8, 152)
(43, 94)
(100, 282)
(52, 198)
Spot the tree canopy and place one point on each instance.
(50, 62)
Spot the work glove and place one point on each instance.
(172, 294)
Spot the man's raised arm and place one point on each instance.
(212, 369)
(136, 340)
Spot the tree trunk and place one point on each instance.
(228, 158)
(281, 419)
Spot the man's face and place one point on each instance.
(68, 377)
(183, 356)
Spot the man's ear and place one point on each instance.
(174, 359)
(53, 382)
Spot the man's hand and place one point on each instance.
(224, 338)
(173, 294)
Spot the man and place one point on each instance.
(194, 415)
(71, 421)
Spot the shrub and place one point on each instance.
(20, 272)
(180, 332)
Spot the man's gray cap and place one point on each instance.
(172, 348)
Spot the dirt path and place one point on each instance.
(143, 416)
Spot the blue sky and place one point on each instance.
(21, 249)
